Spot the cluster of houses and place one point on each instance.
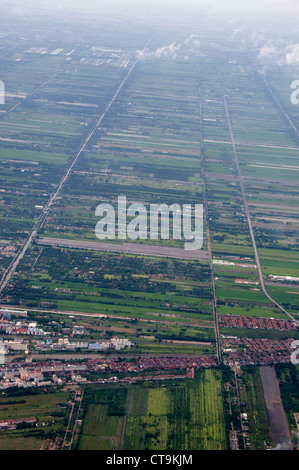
(20, 328)
(256, 351)
(11, 424)
(8, 250)
(26, 375)
(66, 344)
(63, 344)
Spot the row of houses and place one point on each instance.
(140, 364)
(10, 424)
(240, 321)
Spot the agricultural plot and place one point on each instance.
(132, 287)
(253, 395)
(49, 411)
(40, 134)
(266, 152)
(287, 375)
(175, 417)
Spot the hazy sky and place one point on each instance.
(246, 11)
(220, 5)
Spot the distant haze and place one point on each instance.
(212, 6)
(250, 23)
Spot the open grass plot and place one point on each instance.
(175, 416)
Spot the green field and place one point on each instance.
(44, 408)
(175, 416)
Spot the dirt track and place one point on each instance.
(277, 418)
(129, 248)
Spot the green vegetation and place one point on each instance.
(45, 408)
(175, 416)
(89, 118)
(256, 408)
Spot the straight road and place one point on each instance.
(257, 259)
(284, 112)
(208, 237)
(30, 94)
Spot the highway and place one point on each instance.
(257, 259)
(208, 238)
(31, 94)
(280, 105)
